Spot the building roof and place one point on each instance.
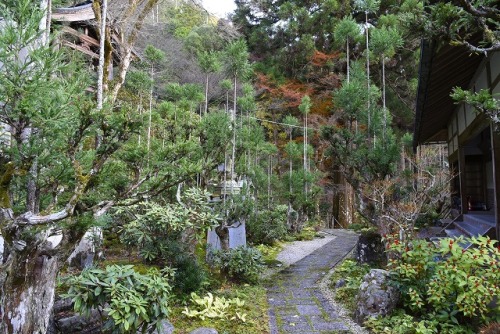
(81, 12)
(442, 67)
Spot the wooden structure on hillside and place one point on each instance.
(79, 31)
(78, 28)
(78, 13)
(473, 142)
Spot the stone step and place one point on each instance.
(445, 221)
(483, 220)
(454, 233)
(473, 229)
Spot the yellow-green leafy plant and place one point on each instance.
(215, 307)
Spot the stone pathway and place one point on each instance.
(296, 304)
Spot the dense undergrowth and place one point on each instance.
(445, 288)
(221, 290)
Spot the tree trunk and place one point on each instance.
(368, 70)
(233, 153)
(28, 285)
(383, 95)
(122, 73)
(206, 93)
(348, 64)
(102, 39)
(222, 232)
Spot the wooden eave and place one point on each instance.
(441, 69)
(73, 14)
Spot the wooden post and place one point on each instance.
(461, 175)
(495, 156)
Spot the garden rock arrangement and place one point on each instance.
(376, 297)
(66, 321)
(370, 248)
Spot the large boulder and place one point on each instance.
(86, 251)
(165, 328)
(80, 324)
(204, 330)
(376, 297)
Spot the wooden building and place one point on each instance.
(473, 141)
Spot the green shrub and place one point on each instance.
(269, 253)
(267, 226)
(307, 233)
(356, 226)
(397, 323)
(426, 219)
(243, 264)
(353, 274)
(132, 301)
(401, 323)
(453, 283)
(157, 229)
(189, 276)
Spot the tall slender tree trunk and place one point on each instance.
(348, 61)
(224, 189)
(139, 109)
(150, 113)
(383, 96)
(305, 155)
(290, 188)
(368, 70)
(206, 93)
(233, 122)
(102, 43)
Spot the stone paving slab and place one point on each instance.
(296, 305)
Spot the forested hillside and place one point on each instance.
(129, 136)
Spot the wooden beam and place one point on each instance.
(84, 38)
(81, 49)
(461, 175)
(495, 150)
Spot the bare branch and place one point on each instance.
(477, 49)
(482, 11)
(29, 218)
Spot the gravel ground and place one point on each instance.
(342, 312)
(297, 250)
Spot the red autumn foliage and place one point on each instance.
(322, 106)
(289, 94)
(321, 59)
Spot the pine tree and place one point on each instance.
(347, 30)
(210, 63)
(385, 42)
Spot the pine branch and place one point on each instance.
(482, 11)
